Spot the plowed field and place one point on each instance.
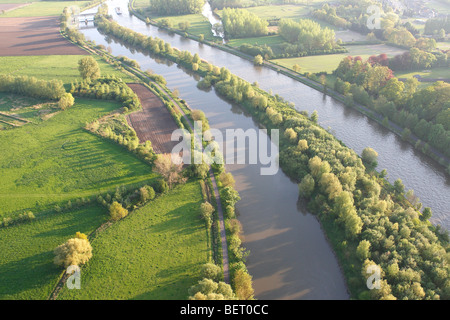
(34, 36)
(154, 122)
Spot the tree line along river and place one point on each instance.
(289, 255)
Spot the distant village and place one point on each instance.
(414, 8)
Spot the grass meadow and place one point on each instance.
(62, 67)
(434, 73)
(41, 8)
(287, 11)
(268, 40)
(199, 24)
(27, 108)
(329, 63)
(154, 253)
(26, 251)
(58, 160)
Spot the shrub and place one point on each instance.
(80, 235)
(146, 193)
(212, 271)
(89, 68)
(74, 252)
(207, 210)
(243, 285)
(116, 211)
(208, 289)
(66, 101)
(161, 186)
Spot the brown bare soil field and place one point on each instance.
(10, 6)
(34, 36)
(154, 122)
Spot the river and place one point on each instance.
(289, 255)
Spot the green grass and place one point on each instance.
(268, 40)
(43, 8)
(58, 160)
(155, 253)
(198, 24)
(62, 67)
(435, 73)
(27, 108)
(329, 63)
(280, 12)
(26, 251)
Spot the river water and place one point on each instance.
(289, 255)
(213, 19)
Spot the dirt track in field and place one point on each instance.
(34, 36)
(154, 122)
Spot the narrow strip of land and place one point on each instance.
(224, 245)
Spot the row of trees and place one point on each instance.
(33, 87)
(328, 14)
(307, 34)
(176, 7)
(241, 280)
(350, 14)
(107, 88)
(372, 77)
(423, 112)
(417, 59)
(342, 190)
(21, 218)
(347, 190)
(437, 26)
(400, 237)
(241, 23)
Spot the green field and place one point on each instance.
(26, 108)
(42, 9)
(435, 73)
(26, 251)
(329, 63)
(268, 40)
(281, 12)
(58, 160)
(198, 23)
(155, 253)
(62, 67)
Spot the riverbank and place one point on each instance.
(439, 159)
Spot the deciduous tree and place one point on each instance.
(89, 68)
